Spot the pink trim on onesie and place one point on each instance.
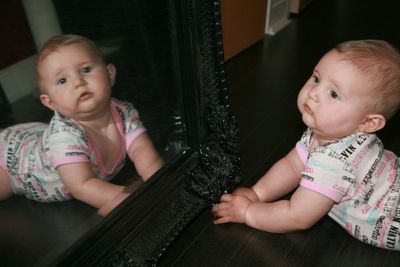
(324, 190)
(130, 138)
(66, 160)
(301, 151)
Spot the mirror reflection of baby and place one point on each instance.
(87, 139)
(339, 167)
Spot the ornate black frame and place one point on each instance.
(138, 231)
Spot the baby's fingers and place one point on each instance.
(226, 198)
(222, 220)
(223, 213)
(220, 208)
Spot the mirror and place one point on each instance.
(131, 36)
(169, 63)
(136, 37)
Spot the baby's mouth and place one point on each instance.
(85, 96)
(308, 109)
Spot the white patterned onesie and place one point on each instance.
(31, 152)
(362, 178)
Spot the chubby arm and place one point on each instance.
(144, 156)
(282, 178)
(246, 192)
(303, 210)
(84, 186)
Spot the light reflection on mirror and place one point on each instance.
(133, 35)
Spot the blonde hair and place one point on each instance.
(380, 62)
(55, 42)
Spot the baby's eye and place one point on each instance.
(86, 69)
(62, 81)
(315, 79)
(333, 94)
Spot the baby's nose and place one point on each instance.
(313, 93)
(79, 81)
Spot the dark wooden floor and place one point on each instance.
(264, 81)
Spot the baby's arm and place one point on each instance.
(246, 192)
(84, 186)
(144, 156)
(304, 208)
(282, 178)
(147, 161)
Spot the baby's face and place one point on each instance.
(333, 102)
(76, 82)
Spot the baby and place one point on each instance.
(339, 167)
(86, 141)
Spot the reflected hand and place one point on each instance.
(133, 186)
(231, 209)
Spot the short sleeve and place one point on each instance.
(328, 173)
(130, 121)
(68, 145)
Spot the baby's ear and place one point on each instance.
(46, 100)
(112, 72)
(373, 123)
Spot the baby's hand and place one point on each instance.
(231, 209)
(246, 192)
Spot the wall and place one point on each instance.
(243, 24)
(24, 26)
(18, 80)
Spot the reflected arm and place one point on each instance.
(145, 157)
(84, 186)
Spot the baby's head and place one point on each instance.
(355, 87)
(56, 42)
(379, 63)
(73, 77)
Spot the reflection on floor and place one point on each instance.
(264, 81)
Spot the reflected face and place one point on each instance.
(333, 102)
(75, 82)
